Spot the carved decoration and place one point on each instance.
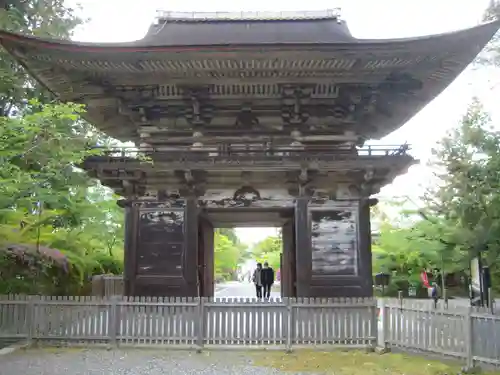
(294, 100)
(347, 192)
(246, 193)
(197, 112)
(164, 204)
(246, 118)
(319, 198)
(246, 196)
(192, 182)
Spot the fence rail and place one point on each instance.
(191, 322)
(460, 331)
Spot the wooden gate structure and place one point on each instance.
(249, 118)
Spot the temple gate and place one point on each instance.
(249, 119)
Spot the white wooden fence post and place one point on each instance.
(385, 311)
(31, 316)
(374, 325)
(469, 337)
(201, 324)
(113, 320)
(289, 325)
(381, 339)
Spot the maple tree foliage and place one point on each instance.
(46, 202)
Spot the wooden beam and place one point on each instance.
(102, 101)
(232, 131)
(393, 162)
(339, 77)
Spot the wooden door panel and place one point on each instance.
(166, 251)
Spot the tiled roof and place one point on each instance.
(255, 28)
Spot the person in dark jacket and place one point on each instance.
(257, 280)
(435, 294)
(267, 279)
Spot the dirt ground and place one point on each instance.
(61, 361)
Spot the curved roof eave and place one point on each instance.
(486, 31)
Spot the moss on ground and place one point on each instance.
(356, 363)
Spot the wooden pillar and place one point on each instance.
(365, 247)
(130, 246)
(287, 259)
(190, 266)
(303, 247)
(206, 256)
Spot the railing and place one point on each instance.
(228, 151)
(191, 322)
(162, 15)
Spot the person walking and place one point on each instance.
(257, 280)
(435, 294)
(267, 279)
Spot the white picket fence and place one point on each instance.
(192, 322)
(472, 335)
(453, 330)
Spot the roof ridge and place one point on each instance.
(195, 17)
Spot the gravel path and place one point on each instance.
(129, 362)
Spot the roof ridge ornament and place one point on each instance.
(166, 16)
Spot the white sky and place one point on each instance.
(126, 20)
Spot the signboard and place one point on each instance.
(161, 243)
(475, 275)
(334, 242)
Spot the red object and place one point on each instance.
(425, 279)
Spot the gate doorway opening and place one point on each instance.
(217, 274)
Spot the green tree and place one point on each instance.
(461, 212)
(46, 201)
(227, 256)
(466, 195)
(43, 18)
(268, 250)
(64, 226)
(230, 234)
(491, 54)
(406, 251)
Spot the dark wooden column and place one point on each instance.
(288, 264)
(130, 245)
(365, 246)
(206, 267)
(190, 261)
(303, 247)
